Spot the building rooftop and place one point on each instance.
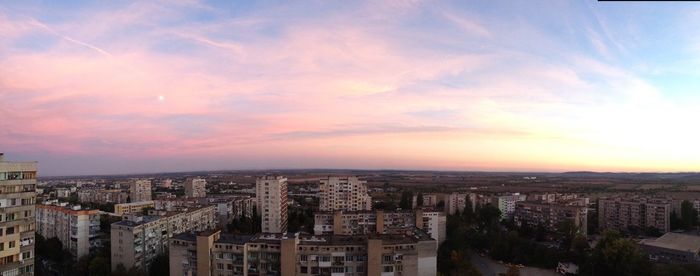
(675, 241)
(143, 220)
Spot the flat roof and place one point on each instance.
(675, 241)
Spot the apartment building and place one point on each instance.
(380, 222)
(344, 193)
(76, 228)
(456, 202)
(140, 190)
(214, 253)
(432, 200)
(551, 214)
(103, 196)
(271, 195)
(137, 240)
(196, 187)
(506, 203)
(17, 217)
(229, 208)
(133, 207)
(623, 214)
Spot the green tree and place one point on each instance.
(689, 216)
(419, 200)
(159, 266)
(99, 266)
(614, 255)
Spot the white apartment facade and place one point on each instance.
(271, 195)
(77, 229)
(140, 190)
(345, 194)
(196, 187)
(506, 204)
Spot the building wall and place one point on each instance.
(271, 195)
(17, 199)
(140, 190)
(623, 213)
(131, 208)
(344, 193)
(60, 222)
(195, 187)
(302, 255)
(136, 242)
(551, 215)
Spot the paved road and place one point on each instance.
(482, 264)
(489, 267)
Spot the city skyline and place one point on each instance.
(109, 88)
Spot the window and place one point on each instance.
(388, 269)
(11, 244)
(10, 230)
(304, 269)
(220, 266)
(304, 258)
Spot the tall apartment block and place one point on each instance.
(137, 240)
(551, 215)
(271, 194)
(506, 204)
(623, 214)
(78, 230)
(214, 253)
(196, 187)
(17, 221)
(456, 202)
(344, 193)
(140, 190)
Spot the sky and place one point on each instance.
(109, 87)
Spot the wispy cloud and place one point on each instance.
(405, 84)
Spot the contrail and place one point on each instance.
(43, 26)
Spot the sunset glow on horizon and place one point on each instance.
(153, 86)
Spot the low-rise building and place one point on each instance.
(214, 253)
(132, 208)
(76, 228)
(137, 240)
(673, 248)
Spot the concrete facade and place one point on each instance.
(137, 240)
(344, 193)
(624, 213)
(196, 187)
(271, 195)
(296, 254)
(17, 216)
(78, 230)
(133, 207)
(140, 190)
